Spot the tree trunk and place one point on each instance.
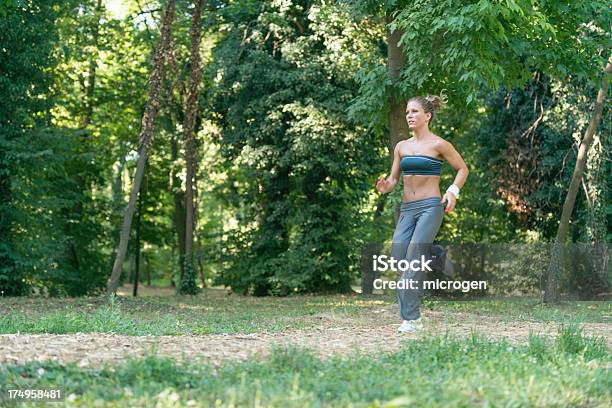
(137, 254)
(172, 271)
(188, 283)
(398, 129)
(551, 294)
(148, 125)
(179, 210)
(396, 59)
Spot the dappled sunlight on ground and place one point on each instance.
(219, 326)
(148, 291)
(332, 333)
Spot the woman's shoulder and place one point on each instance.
(440, 142)
(443, 147)
(403, 143)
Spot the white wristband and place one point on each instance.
(453, 189)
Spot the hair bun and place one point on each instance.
(436, 101)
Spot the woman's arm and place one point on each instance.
(387, 185)
(448, 152)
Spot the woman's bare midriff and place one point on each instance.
(419, 187)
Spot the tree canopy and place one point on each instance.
(290, 132)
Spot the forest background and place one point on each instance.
(295, 110)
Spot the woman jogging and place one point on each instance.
(419, 160)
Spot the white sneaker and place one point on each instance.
(410, 326)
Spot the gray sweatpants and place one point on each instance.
(415, 231)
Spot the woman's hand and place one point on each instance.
(450, 200)
(383, 185)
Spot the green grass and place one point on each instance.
(175, 315)
(529, 309)
(211, 313)
(571, 370)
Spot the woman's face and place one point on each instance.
(416, 116)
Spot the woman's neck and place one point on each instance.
(421, 133)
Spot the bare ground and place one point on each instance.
(335, 334)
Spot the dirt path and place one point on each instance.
(335, 335)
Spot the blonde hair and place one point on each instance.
(431, 103)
